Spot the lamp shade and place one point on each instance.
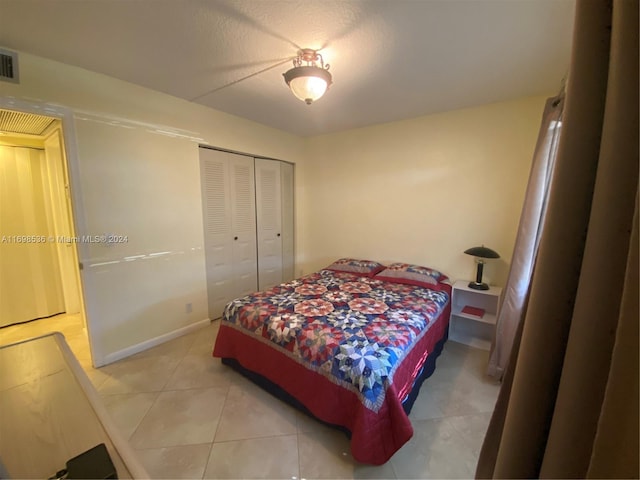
(482, 252)
(308, 83)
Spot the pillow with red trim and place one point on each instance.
(363, 268)
(412, 275)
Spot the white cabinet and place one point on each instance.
(248, 224)
(473, 314)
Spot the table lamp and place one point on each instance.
(480, 253)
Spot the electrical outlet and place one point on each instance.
(188, 308)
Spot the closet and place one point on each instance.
(248, 224)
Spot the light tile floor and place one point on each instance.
(189, 416)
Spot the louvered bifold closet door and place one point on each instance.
(269, 221)
(229, 230)
(243, 209)
(288, 252)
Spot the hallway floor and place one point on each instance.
(71, 326)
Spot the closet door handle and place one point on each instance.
(278, 234)
(235, 238)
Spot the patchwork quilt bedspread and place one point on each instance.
(347, 347)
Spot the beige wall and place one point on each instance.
(422, 190)
(136, 172)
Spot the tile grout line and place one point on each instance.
(170, 376)
(215, 432)
(298, 448)
(158, 394)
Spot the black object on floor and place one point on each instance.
(94, 463)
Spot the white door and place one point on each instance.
(269, 221)
(228, 204)
(288, 252)
(61, 216)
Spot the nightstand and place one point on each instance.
(475, 324)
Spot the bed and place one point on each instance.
(349, 344)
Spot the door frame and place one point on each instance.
(78, 219)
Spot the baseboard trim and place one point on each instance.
(152, 342)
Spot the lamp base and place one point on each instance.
(478, 286)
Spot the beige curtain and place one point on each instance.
(568, 406)
(528, 238)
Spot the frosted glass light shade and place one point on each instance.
(308, 89)
(308, 83)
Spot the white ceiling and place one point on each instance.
(390, 60)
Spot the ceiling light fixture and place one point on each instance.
(309, 78)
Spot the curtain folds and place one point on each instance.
(568, 407)
(528, 237)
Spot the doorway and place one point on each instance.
(40, 285)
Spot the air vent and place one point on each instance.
(9, 66)
(18, 122)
